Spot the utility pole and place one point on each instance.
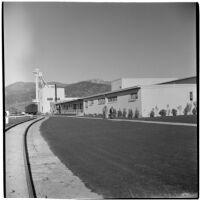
(36, 73)
(55, 93)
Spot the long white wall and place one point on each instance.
(131, 82)
(123, 101)
(162, 95)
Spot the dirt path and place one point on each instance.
(16, 185)
(51, 177)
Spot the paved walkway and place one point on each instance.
(16, 185)
(52, 179)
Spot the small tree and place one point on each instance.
(124, 113)
(137, 113)
(174, 112)
(194, 111)
(105, 112)
(130, 114)
(187, 109)
(114, 114)
(152, 113)
(119, 113)
(163, 112)
(195, 104)
(31, 109)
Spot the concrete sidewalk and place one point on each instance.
(16, 185)
(52, 179)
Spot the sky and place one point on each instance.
(72, 42)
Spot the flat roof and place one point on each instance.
(122, 90)
(100, 94)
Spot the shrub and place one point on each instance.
(195, 104)
(119, 113)
(114, 114)
(174, 112)
(130, 114)
(105, 112)
(163, 112)
(194, 111)
(152, 113)
(100, 115)
(124, 113)
(187, 109)
(179, 109)
(137, 114)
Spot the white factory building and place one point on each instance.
(47, 94)
(50, 94)
(143, 95)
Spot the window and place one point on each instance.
(49, 99)
(91, 102)
(101, 101)
(86, 104)
(133, 97)
(191, 96)
(81, 106)
(112, 99)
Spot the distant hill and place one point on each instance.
(85, 88)
(20, 94)
(58, 84)
(99, 81)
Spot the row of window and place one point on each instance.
(112, 99)
(133, 97)
(101, 101)
(51, 99)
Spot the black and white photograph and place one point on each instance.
(100, 100)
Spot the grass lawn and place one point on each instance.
(123, 159)
(192, 119)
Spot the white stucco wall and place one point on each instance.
(121, 103)
(131, 82)
(49, 92)
(92, 109)
(116, 84)
(162, 95)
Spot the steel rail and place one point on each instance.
(13, 125)
(29, 178)
(4, 155)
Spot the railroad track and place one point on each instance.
(13, 125)
(28, 173)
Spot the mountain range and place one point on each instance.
(20, 94)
